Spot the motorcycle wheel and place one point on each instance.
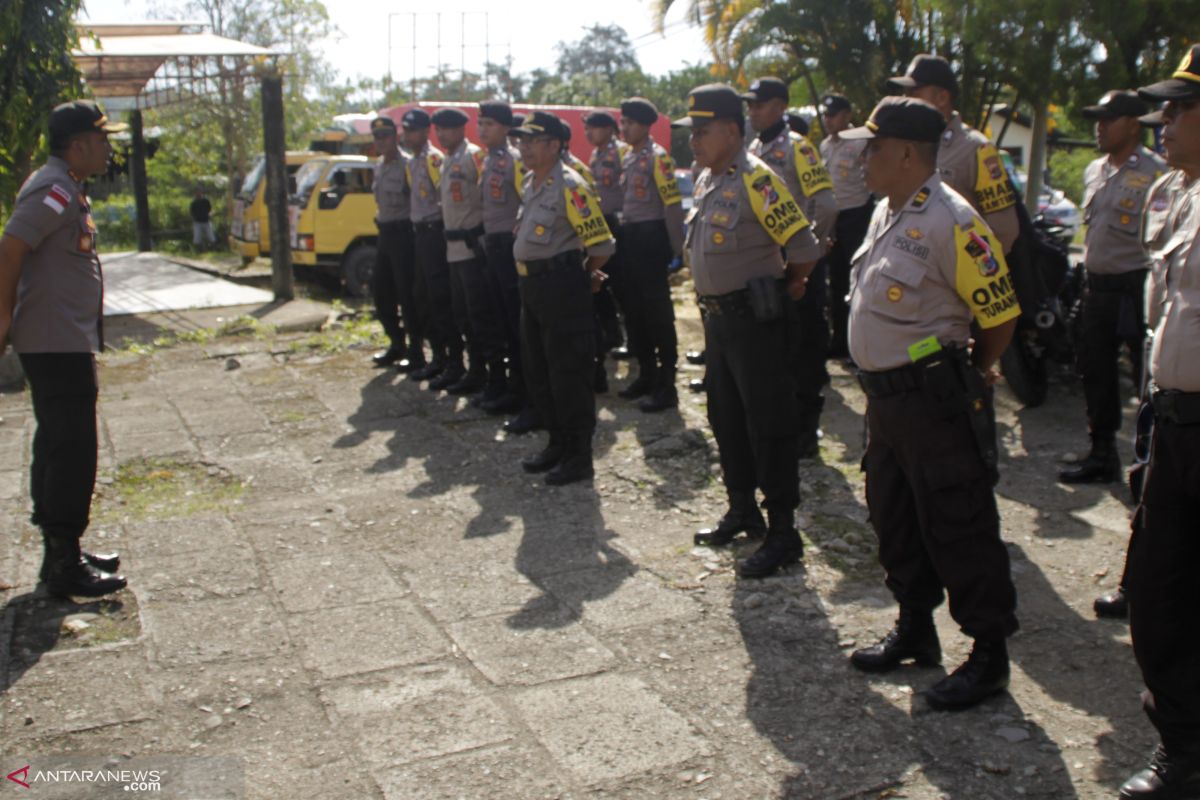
(1025, 372)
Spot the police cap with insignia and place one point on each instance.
(639, 109)
(1153, 120)
(497, 111)
(927, 70)
(901, 118)
(542, 123)
(764, 89)
(79, 116)
(600, 119)
(1116, 104)
(518, 120)
(834, 103)
(711, 101)
(450, 118)
(1184, 83)
(415, 119)
(383, 126)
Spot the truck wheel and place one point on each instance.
(357, 268)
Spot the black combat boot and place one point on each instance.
(743, 515)
(695, 357)
(664, 395)
(473, 381)
(983, 674)
(413, 360)
(1101, 465)
(576, 462)
(1173, 774)
(697, 385)
(452, 374)
(390, 356)
(914, 636)
(643, 384)
(781, 547)
(68, 574)
(1114, 604)
(524, 422)
(104, 562)
(431, 370)
(549, 456)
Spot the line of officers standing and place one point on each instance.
(930, 307)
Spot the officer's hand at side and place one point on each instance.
(990, 376)
(598, 279)
(796, 287)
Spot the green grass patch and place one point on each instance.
(163, 488)
(353, 329)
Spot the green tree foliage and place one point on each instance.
(36, 73)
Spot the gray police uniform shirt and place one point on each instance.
(970, 164)
(545, 225)
(1173, 296)
(503, 179)
(392, 197)
(729, 242)
(1113, 199)
(462, 196)
(60, 292)
(651, 191)
(424, 178)
(927, 270)
(793, 158)
(843, 159)
(606, 169)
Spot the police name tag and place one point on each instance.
(923, 349)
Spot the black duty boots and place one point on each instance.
(1101, 465)
(983, 674)
(67, 572)
(743, 516)
(781, 548)
(913, 637)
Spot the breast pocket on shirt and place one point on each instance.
(719, 234)
(540, 225)
(1127, 212)
(897, 289)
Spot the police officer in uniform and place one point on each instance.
(462, 212)
(429, 245)
(928, 268)
(394, 253)
(743, 215)
(1115, 187)
(600, 127)
(843, 159)
(968, 162)
(503, 178)
(562, 241)
(1165, 552)
(51, 309)
(651, 237)
(794, 158)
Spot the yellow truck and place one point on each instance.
(249, 230)
(332, 216)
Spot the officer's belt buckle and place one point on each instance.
(522, 269)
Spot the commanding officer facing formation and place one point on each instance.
(559, 220)
(1165, 552)
(843, 159)
(1115, 187)
(792, 157)
(394, 255)
(743, 215)
(651, 236)
(967, 161)
(51, 308)
(462, 212)
(503, 177)
(928, 268)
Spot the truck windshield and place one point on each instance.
(306, 180)
(253, 179)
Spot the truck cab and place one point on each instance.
(250, 227)
(332, 215)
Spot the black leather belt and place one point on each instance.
(648, 225)
(464, 235)
(734, 303)
(1180, 408)
(428, 227)
(572, 259)
(1121, 282)
(395, 224)
(890, 381)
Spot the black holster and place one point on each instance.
(951, 386)
(766, 298)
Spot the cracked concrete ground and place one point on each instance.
(351, 590)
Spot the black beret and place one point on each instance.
(766, 89)
(639, 109)
(927, 70)
(901, 118)
(600, 119)
(497, 111)
(415, 119)
(449, 118)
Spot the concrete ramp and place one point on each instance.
(145, 283)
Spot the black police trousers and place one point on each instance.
(474, 314)
(849, 230)
(506, 300)
(64, 388)
(1164, 595)
(1113, 315)
(608, 329)
(445, 338)
(752, 403)
(645, 294)
(934, 512)
(812, 345)
(393, 287)
(558, 337)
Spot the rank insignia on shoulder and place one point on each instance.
(921, 198)
(914, 233)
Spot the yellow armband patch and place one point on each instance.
(664, 179)
(810, 169)
(982, 278)
(773, 204)
(519, 177)
(434, 164)
(992, 188)
(583, 212)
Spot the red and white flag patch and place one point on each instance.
(57, 198)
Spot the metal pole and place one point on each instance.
(277, 201)
(140, 192)
(413, 98)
